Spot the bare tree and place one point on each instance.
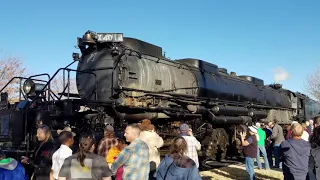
(11, 66)
(58, 85)
(313, 84)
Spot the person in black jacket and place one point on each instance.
(41, 159)
(314, 161)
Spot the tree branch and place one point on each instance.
(313, 84)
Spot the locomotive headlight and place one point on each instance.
(30, 87)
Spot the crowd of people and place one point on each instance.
(133, 155)
(297, 152)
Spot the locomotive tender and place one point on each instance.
(123, 80)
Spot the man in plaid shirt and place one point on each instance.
(193, 144)
(135, 157)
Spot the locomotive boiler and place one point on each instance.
(122, 80)
(144, 84)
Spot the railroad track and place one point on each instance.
(215, 164)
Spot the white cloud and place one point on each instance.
(280, 74)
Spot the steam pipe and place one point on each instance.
(197, 109)
(258, 114)
(154, 109)
(178, 114)
(230, 110)
(153, 116)
(227, 119)
(140, 116)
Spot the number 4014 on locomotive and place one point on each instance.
(122, 80)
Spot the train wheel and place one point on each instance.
(216, 145)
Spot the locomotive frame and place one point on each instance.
(216, 113)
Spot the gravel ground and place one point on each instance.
(239, 172)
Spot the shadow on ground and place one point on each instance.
(206, 178)
(241, 174)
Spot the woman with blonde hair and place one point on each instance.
(41, 159)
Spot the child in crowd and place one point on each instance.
(113, 153)
(11, 169)
(66, 140)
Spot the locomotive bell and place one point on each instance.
(87, 38)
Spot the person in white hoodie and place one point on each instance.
(154, 141)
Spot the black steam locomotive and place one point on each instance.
(122, 80)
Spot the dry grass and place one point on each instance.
(239, 172)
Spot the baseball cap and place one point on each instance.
(294, 122)
(109, 128)
(184, 127)
(253, 129)
(66, 129)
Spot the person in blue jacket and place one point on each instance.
(176, 165)
(11, 168)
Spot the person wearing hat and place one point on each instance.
(56, 140)
(250, 149)
(107, 142)
(193, 144)
(68, 129)
(66, 140)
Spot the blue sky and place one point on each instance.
(248, 37)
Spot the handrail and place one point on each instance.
(65, 69)
(44, 74)
(48, 84)
(64, 84)
(20, 83)
(19, 77)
